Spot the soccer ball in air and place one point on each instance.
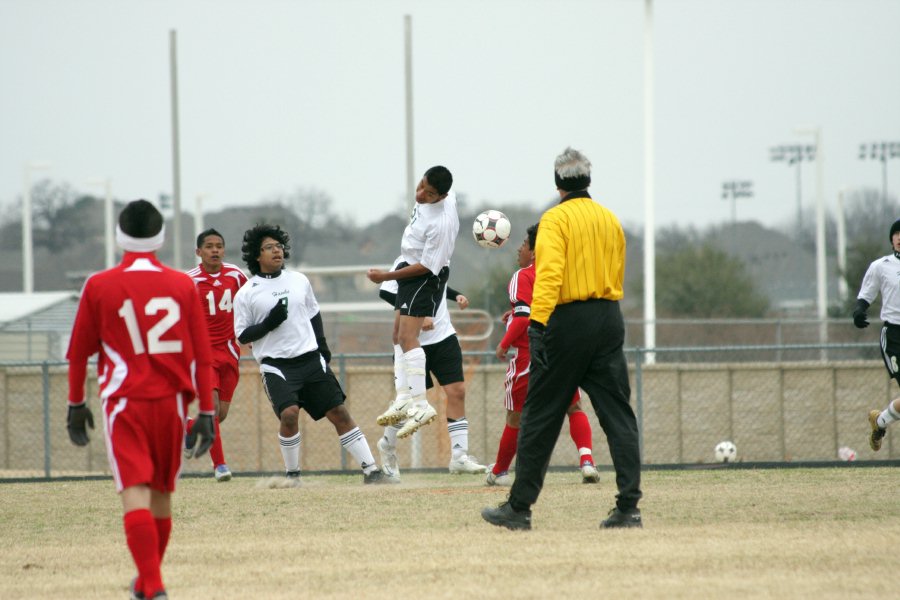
(491, 229)
(726, 452)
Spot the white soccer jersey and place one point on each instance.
(431, 234)
(883, 276)
(258, 296)
(443, 328)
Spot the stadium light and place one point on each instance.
(27, 244)
(794, 154)
(735, 189)
(108, 233)
(882, 151)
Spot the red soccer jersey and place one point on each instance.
(144, 320)
(217, 292)
(521, 287)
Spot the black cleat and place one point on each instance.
(133, 594)
(618, 519)
(377, 476)
(506, 516)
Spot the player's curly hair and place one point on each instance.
(252, 244)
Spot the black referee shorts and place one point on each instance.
(304, 381)
(421, 296)
(444, 359)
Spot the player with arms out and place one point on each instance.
(278, 313)
(882, 277)
(426, 247)
(144, 320)
(217, 283)
(520, 288)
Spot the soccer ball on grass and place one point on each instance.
(491, 229)
(726, 452)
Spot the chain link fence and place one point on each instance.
(687, 399)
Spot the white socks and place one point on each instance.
(390, 435)
(414, 364)
(354, 442)
(290, 451)
(400, 382)
(888, 416)
(459, 437)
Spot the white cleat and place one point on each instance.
(418, 416)
(396, 412)
(223, 473)
(389, 464)
(500, 479)
(589, 473)
(466, 464)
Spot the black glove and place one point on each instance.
(536, 345)
(205, 433)
(78, 419)
(324, 351)
(859, 314)
(276, 316)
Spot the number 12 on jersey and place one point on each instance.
(154, 344)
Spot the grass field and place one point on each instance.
(717, 533)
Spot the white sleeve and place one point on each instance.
(310, 298)
(871, 283)
(242, 312)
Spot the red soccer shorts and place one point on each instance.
(516, 385)
(225, 370)
(144, 440)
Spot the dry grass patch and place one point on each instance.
(784, 533)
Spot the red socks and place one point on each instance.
(163, 529)
(509, 443)
(215, 451)
(580, 430)
(144, 543)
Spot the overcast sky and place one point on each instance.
(278, 95)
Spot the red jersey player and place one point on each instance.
(217, 282)
(143, 319)
(520, 289)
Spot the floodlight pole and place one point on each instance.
(821, 295)
(408, 74)
(108, 229)
(794, 154)
(198, 214)
(176, 153)
(649, 199)
(841, 247)
(882, 151)
(27, 241)
(735, 189)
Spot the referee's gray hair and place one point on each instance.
(572, 163)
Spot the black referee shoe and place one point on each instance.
(506, 516)
(377, 477)
(619, 518)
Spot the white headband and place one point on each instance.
(133, 244)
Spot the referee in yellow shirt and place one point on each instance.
(576, 338)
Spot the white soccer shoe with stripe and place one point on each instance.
(396, 412)
(418, 416)
(466, 464)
